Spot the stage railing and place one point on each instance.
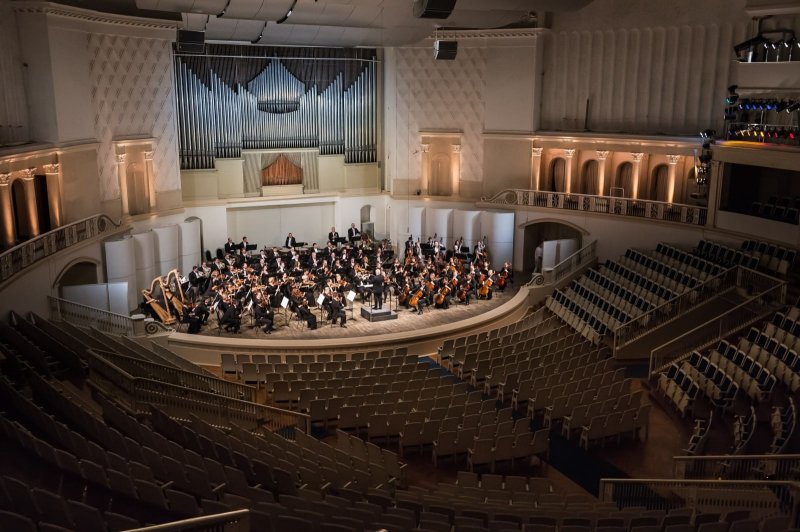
(236, 521)
(757, 307)
(180, 401)
(737, 467)
(86, 316)
(632, 330)
(638, 208)
(762, 498)
(21, 256)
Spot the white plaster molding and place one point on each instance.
(637, 157)
(672, 160)
(148, 156)
(456, 148)
(5, 179)
(536, 152)
(602, 155)
(425, 148)
(28, 173)
(121, 158)
(569, 153)
(52, 168)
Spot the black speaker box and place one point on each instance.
(440, 9)
(445, 50)
(191, 42)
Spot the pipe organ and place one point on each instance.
(236, 98)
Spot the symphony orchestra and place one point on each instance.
(298, 278)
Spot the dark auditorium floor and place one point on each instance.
(358, 326)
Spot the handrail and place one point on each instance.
(235, 521)
(737, 467)
(761, 497)
(639, 208)
(179, 401)
(630, 331)
(580, 258)
(16, 259)
(171, 375)
(86, 316)
(705, 335)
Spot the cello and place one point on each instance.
(440, 296)
(403, 297)
(415, 298)
(486, 283)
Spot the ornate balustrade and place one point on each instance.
(637, 208)
(737, 467)
(21, 256)
(86, 316)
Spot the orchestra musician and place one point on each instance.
(231, 319)
(353, 233)
(333, 236)
(337, 310)
(230, 246)
(304, 313)
(202, 312)
(290, 241)
(264, 315)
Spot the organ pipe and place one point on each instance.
(274, 109)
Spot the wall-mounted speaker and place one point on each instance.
(440, 9)
(191, 42)
(445, 50)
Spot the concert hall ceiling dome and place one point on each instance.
(331, 22)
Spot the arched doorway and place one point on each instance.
(557, 239)
(20, 205)
(623, 181)
(659, 183)
(80, 272)
(42, 203)
(558, 174)
(589, 178)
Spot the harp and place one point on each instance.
(156, 297)
(176, 297)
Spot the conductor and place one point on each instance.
(377, 289)
(290, 241)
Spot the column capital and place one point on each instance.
(148, 156)
(536, 152)
(569, 153)
(602, 155)
(672, 160)
(5, 179)
(456, 148)
(637, 156)
(121, 158)
(52, 168)
(28, 174)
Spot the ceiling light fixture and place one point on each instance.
(260, 35)
(288, 13)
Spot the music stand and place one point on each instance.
(320, 299)
(251, 247)
(285, 305)
(351, 297)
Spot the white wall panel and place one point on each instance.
(498, 228)
(145, 263)
(166, 241)
(439, 222)
(121, 265)
(190, 245)
(270, 225)
(467, 225)
(415, 216)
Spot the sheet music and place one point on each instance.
(285, 302)
(367, 285)
(351, 296)
(320, 299)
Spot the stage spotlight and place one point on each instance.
(793, 107)
(708, 134)
(260, 35)
(746, 51)
(732, 95)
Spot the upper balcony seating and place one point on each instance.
(770, 257)
(724, 255)
(783, 209)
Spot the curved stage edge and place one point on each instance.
(205, 350)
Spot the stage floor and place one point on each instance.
(358, 326)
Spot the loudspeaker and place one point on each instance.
(191, 42)
(433, 8)
(445, 50)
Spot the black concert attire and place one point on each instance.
(338, 312)
(305, 314)
(230, 247)
(231, 320)
(290, 242)
(265, 317)
(353, 233)
(202, 312)
(333, 236)
(377, 291)
(193, 321)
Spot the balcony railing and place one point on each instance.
(637, 208)
(236, 521)
(583, 257)
(762, 498)
(23, 255)
(737, 467)
(86, 316)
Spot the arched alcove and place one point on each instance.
(659, 183)
(42, 203)
(19, 202)
(543, 231)
(589, 175)
(366, 214)
(78, 272)
(623, 180)
(558, 174)
(440, 183)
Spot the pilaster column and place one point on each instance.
(53, 174)
(151, 180)
(423, 182)
(9, 235)
(602, 155)
(568, 155)
(30, 201)
(637, 165)
(123, 183)
(455, 169)
(536, 167)
(672, 161)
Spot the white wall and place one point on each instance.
(14, 104)
(269, 225)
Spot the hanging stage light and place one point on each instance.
(732, 95)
